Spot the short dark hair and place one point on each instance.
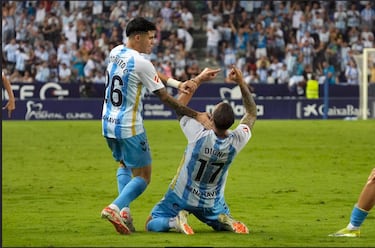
(223, 116)
(139, 25)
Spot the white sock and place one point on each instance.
(351, 227)
(172, 222)
(125, 209)
(114, 207)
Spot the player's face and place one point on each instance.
(147, 41)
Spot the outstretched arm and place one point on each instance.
(11, 104)
(182, 109)
(186, 87)
(247, 98)
(190, 86)
(206, 75)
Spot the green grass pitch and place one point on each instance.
(293, 184)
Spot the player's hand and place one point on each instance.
(205, 119)
(187, 87)
(208, 74)
(235, 75)
(10, 106)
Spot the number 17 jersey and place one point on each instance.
(201, 177)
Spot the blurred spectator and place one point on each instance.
(26, 78)
(308, 53)
(282, 75)
(32, 31)
(64, 56)
(270, 78)
(213, 18)
(10, 54)
(354, 17)
(261, 41)
(332, 52)
(368, 16)
(252, 78)
(297, 79)
(185, 36)
(42, 73)
(213, 39)
(262, 71)
(166, 12)
(324, 35)
(188, 18)
(225, 31)
(241, 39)
(98, 78)
(367, 37)
(78, 64)
(345, 54)
(192, 65)
(64, 73)
(51, 28)
(357, 47)
(22, 58)
(351, 72)
(40, 14)
(296, 14)
(340, 17)
(70, 32)
(41, 54)
(21, 24)
(328, 73)
(228, 55)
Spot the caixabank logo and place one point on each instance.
(316, 110)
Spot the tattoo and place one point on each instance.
(250, 106)
(180, 109)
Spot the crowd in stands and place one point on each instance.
(278, 42)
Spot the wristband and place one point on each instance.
(173, 82)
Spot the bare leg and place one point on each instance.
(366, 199)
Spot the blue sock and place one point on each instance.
(124, 175)
(160, 224)
(130, 192)
(358, 216)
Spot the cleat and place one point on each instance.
(233, 225)
(181, 223)
(115, 218)
(345, 232)
(128, 220)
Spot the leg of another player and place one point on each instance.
(365, 203)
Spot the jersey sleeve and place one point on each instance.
(191, 128)
(242, 135)
(148, 75)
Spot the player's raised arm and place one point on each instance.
(206, 75)
(247, 98)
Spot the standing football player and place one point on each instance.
(198, 188)
(129, 74)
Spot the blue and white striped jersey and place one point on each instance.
(129, 74)
(202, 174)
